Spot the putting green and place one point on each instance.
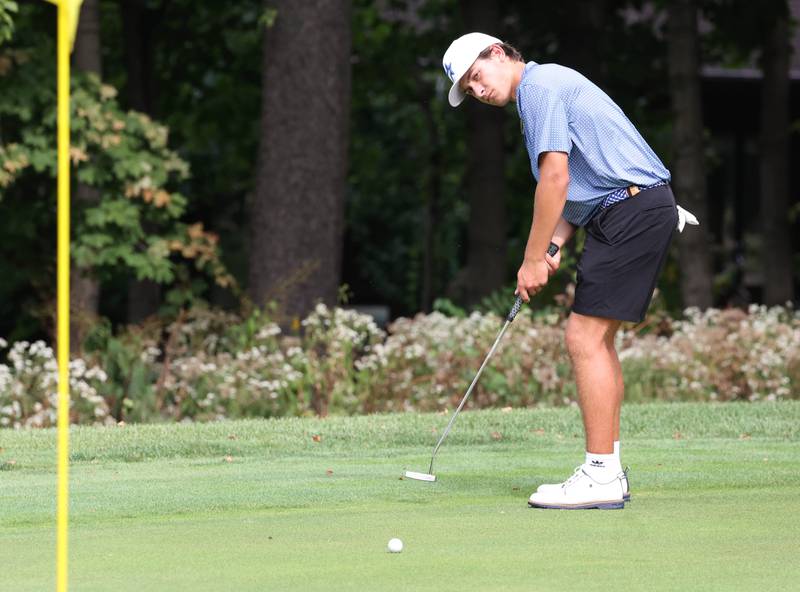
(310, 504)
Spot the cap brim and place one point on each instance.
(456, 96)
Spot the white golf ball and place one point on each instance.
(395, 546)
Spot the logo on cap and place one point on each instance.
(448, 69)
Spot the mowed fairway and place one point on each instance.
(309, 504)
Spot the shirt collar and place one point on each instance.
(528, 69)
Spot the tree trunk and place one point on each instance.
(86, 53)
(298, 206)
(144, 296)
(85, 289)
(689, 175)
(136, 33)
(774, 165)
(485, 176)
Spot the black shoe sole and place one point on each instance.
(601, 506)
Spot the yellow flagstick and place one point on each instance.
(62, 557)
(68, 11)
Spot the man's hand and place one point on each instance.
(553, 262)
(532, 277)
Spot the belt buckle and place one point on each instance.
(633, 190)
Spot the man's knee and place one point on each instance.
(576, 338)
(586, 336)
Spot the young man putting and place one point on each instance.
(593, 170)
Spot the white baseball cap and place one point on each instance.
(459, 58)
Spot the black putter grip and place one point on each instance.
(551, 250)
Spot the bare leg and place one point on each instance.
(620, 385)
(590, 342)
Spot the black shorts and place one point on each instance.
(625, 249)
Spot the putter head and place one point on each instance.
(419, 476)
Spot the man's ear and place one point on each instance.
(498, 52)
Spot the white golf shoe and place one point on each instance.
(626, 489)
(544, 487)
(623, 477)
(580, 492)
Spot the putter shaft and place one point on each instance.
(551, 250)
(469, 390)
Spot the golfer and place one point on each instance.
(593, 170)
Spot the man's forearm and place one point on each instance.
(564, 232)
(548, 205)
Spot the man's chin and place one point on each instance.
(496, 102)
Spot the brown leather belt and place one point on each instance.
(633, 190)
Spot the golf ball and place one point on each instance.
(395, 546)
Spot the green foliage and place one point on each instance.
(333, 340)
(408, 146)
(127, 359)
(740, 27)
(7, 8)
(448, 308)
(500, 301)
(267, 18)
(209, 365)
(202, 68)
(133, 222)
(407, 157)
(201, 71)
(123, 155)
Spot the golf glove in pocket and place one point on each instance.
(686, 217)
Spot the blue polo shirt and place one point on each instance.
(563, 111)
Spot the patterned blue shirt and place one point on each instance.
(562, 111)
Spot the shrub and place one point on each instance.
(29, 388)
(209, 365)
(718, 355)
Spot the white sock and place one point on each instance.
(602, 467)
(616, 451)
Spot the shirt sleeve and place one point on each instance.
(544, 123)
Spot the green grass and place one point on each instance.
(261, 505)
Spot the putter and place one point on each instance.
(429, 476)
